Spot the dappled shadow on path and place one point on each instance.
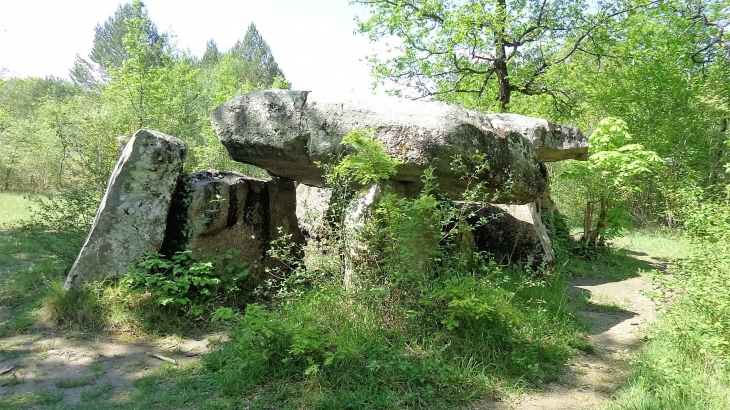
(71, 368)
(617, 314)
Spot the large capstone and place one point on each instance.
(551, 142)
(288, 133)
(131, 217)
(219, 212)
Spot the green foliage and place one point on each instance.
(57, 135)
(259, 69)
(68, 215)
(150, 89)
(481, 52)
(705, 216)
(421, 327)
(187, 284)
(109, 51)
(42, 397)
(612, 172)
(368, 163)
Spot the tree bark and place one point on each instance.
(500, 62)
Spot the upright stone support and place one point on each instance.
(220, 211)
(131, 217)
(513, 233)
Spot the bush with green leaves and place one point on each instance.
(685, 363)
(613, 171)
(187, 283)
(367, 163)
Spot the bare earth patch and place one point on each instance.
(102, 365)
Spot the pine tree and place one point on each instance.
(109, 52)
(212, 54)
(259, 69)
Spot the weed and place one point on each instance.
(28, 400)
(684, 363)
(73, 383)
(10, 381)
(96, 369)
(185, 283)
(103, 392)
(136, 366)
(44, 347)
(10, 354)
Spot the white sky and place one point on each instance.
(311, 40)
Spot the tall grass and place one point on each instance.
(478, 334)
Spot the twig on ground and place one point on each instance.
(161, 357)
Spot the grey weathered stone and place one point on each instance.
(313, 206)
(131, 217)
(217, 211)
(358, 213)
(287, 132)
(512, 233)
(551, 142)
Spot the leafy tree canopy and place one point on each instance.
(488, 48)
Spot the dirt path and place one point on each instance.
(618, 315)
(74, 368)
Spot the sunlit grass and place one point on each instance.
(14, 207)
(659, 243)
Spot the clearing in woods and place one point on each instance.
(43, 367)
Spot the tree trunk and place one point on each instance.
(588, 221)
(602, 223)
(500, 62)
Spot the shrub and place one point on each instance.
(186, 283)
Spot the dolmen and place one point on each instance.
(149, 206)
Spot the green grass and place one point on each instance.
(15, 207)
(98, 393)
(659, 243)
(613, 263)
(73, 383)
(9, 381)
(34, 263)
(30, 400)
(627, 257)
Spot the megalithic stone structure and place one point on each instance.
(219, 211)
(132, 216)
